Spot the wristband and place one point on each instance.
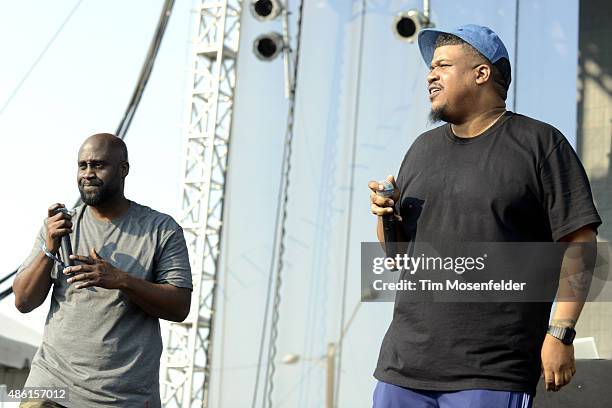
(49, 255)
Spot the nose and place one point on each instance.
(88, 172)
(432, 76)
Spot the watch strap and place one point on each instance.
(565, 334)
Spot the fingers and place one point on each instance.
(376, 210)
(567, 377)
(60, 233)
(82, 258)
(54, 214)
(559, 380)
(95, 255)
(86, 284)
(78, 268)
(55, 231)
(374, 186)
(84, 280)
(391, 180)
(549, 380)
(53, 208)
(81, 277)
(381, 201)
(60, 216)
(383, 205)
(59, 223)
(555, 380)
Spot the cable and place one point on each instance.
(147, 68)
(278, 242)
(9, 290)
(130, 111)
(350, 206)
(285, 190)
(5, 293)
(40, 56)
(291, 94)
(8, 276)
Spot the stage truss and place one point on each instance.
(186, 363)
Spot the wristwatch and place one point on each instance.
(565, 334)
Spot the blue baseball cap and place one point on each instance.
(482, 38)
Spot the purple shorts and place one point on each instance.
(391, 396)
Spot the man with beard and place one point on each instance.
(488, 175)
(102, 339)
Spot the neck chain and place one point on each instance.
(494, 122)
(483, 130)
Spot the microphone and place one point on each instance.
(67, 250)
(388, 221)
(66, 244)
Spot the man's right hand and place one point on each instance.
(58, 225)
(383, 205)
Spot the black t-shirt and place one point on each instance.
(519, 181)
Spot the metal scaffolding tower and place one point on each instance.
(186, 364)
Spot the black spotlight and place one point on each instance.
(267, 46)
(407, 24)
(265, 10)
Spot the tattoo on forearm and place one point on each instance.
(563, 322)
(580, 282)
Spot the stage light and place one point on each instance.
(407, 24)
(267, 46)
(265, 10)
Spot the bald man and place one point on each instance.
(102, 344)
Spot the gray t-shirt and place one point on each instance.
(97, 343)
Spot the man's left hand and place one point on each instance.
(558, 364)
(94, 271)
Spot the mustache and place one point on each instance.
(90, 183)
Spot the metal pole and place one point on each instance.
(287, 50)
(426, 9)
(331, 369)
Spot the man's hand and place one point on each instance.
(58, 225)
(558, 364)
(383, 205)
(95, 271)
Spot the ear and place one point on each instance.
(125, 169)
(482, 73)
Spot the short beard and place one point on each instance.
(94, 199)
(438, 114)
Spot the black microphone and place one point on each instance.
(389, 221)
(66, 244)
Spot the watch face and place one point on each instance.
(568, 337)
